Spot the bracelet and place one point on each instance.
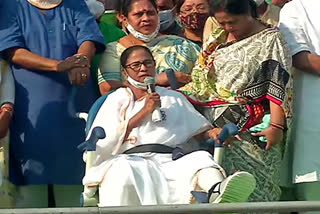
(277, 126)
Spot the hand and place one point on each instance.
(273, 135)
(79, 76)
(5, 118)
(75, 61)
(183, 77)
(152, 102)
(215, 132)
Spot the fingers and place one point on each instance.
(214, 133)
(79, 76)
(75, 61)
(257, 134)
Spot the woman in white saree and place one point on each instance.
(152, 177)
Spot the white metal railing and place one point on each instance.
(251, 207)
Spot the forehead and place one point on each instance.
(164, 2)
(138, 55)
(141, 5)
(194, 2)
(222, 16)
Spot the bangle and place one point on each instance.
(278, 126)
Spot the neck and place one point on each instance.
(193, 35)
(135, 41)
(137, 92)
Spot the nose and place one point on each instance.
(146, 17)
(143, 68)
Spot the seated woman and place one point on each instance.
(142, 22)
(129, 174)
(241, 76)
(192, 15)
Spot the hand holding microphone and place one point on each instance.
(156, 114)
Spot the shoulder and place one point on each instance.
(289, 9)
(115, 48)
(118, 95)
(162, 91)
(74, 4)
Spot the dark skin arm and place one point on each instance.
(274, 135)
(5, 118)
(307, 62)
(87, 49)
(29, 60)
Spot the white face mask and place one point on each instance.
(136, 84)
(167, 18)
(143, 37)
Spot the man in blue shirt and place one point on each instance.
(37, 37)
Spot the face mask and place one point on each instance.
(167, 18)
(143, 37)
(194, 21)
(137, 84)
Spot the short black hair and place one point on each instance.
(235, 7)
(127, 52)
(125, 6)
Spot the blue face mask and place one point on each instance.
(167, 18)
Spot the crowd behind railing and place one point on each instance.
(253, 63)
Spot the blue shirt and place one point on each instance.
(44, 137)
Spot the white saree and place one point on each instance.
(146, 178)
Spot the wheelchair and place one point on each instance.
(89, 146)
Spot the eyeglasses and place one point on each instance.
(136, 66)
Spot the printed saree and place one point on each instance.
(234, 82)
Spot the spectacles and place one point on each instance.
(136, 66)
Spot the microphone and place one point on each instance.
(150, 82)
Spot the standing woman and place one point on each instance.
(192, 15)
(242, 76)
(6, 112)
(141, 19)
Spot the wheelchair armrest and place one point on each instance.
(172, 79)
(90, 144)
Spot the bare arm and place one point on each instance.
(110, 85)
(88, 49)
(29, 60)
(277, 114)
(305, 61)
(274, 134)
(152, 101)
(136, 120)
